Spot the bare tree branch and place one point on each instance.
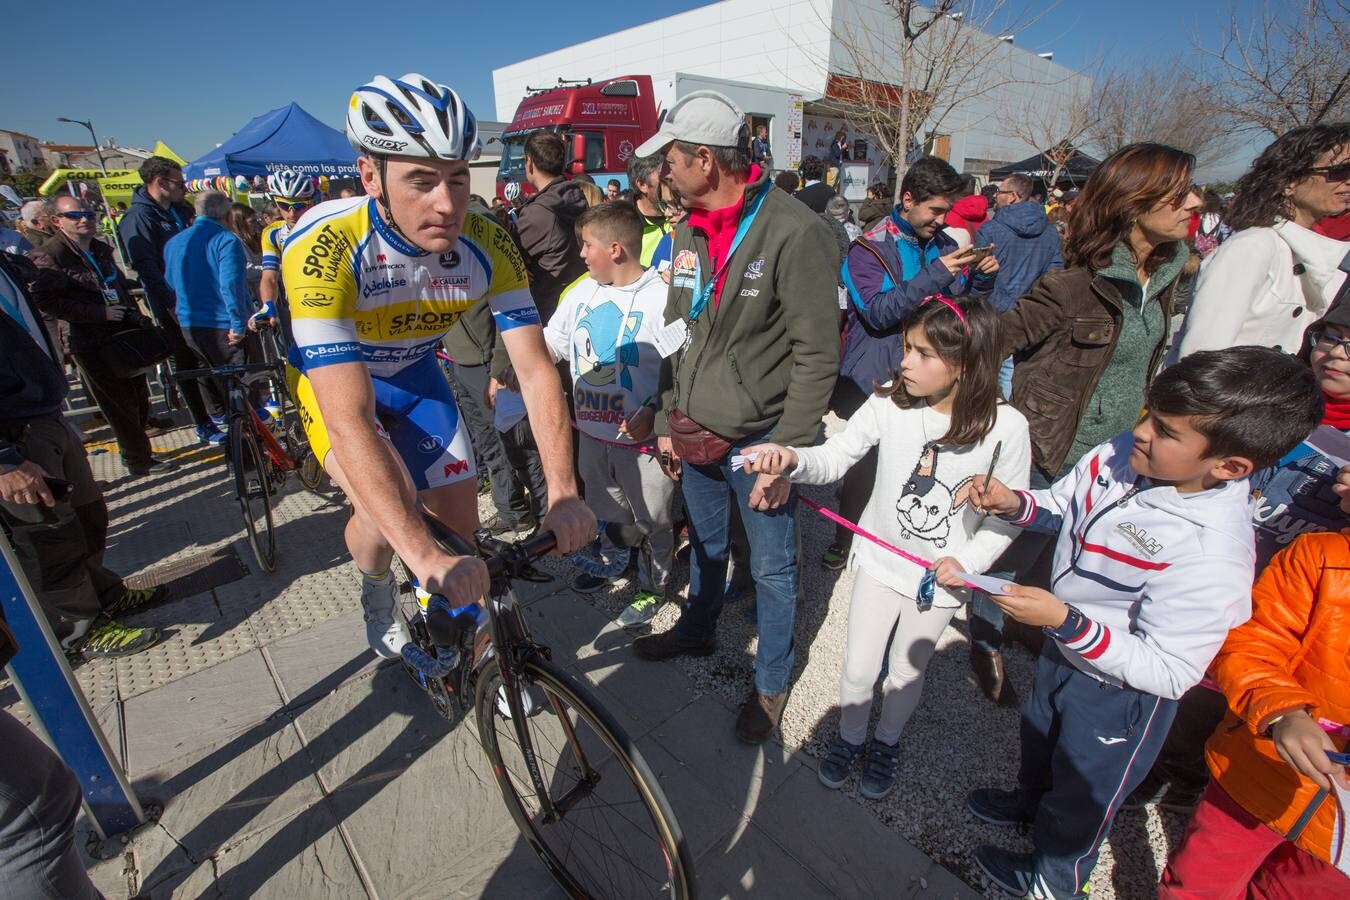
(906, 67)
(1056, 131)
(1161, 102)
(1289, 67)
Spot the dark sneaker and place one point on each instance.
(834, 558)
(110, 639)
(1150, 790)
(838, 762)
(879, 770)
(154, 467)
(134, 599)
(759, 716)
(668, 645)
(589, 584)
(642, 610)
(500, 526)
(999, 807)
(1015, 874)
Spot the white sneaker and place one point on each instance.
(385, 629)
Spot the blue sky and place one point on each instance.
(145, 70)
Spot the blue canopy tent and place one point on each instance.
(285, 138)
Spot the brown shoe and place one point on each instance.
(760, 715)
(988, 668)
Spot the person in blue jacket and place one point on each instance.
(1026, 244)
(205, 266)
(888, 272)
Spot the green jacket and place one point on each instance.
(766, 357)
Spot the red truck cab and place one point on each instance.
(602, 123)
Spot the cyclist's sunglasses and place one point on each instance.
(292, 204)
(1333, 174)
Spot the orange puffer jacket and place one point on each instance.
(1293, 654)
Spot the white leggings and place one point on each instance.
(875, 608)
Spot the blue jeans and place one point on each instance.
(709, 492)
(1005, 378)
(986, 619)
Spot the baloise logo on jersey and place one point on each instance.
(382, 286)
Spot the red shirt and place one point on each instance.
(719, 226)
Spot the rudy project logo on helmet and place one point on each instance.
(383, 286)
(383, 143)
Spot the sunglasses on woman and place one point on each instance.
(1333, 174)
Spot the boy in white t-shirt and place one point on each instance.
(605, 327)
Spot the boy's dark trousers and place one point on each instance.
(1085, 746)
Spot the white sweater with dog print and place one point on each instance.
(920, 499)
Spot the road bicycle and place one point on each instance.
(582, 795)
(259, 460)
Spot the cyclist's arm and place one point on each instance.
(269, 288)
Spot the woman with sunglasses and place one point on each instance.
(79, 282)
(1275, 274)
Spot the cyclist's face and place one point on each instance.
(428, 198)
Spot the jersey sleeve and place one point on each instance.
(317, 270)
(271, 252)
(508, 295)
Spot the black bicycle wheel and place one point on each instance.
(253, 488)
(613, 834)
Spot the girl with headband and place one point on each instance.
(938, 423)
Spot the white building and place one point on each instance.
(19, 151)
(779, 58)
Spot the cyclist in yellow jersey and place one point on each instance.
(373, 283)
(293, 193)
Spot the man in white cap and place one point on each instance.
(752, 352)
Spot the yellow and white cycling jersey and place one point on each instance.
(273, 240)
(359, 292)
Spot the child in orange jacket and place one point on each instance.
(1270, 823)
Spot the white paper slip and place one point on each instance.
(738, 461)
(987, 584)
(670, 340)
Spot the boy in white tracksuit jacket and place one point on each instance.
(1152, 568)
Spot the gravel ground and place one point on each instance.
(956, 741)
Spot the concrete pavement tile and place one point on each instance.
(702, 736)
(641, 693)
(163, 869)
(306, 661)
(148, 541)
(707, 819)
(217, 796)
(301, 858)
(571, 626)
(503, 865)
(198, 637)
(370, 729)
(847, 847)
(201, 709)
(755, 867)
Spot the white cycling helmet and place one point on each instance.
(290, 185)
(411, 116)
(511, 192)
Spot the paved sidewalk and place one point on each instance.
(292, 764)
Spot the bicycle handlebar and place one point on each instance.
(507, 558)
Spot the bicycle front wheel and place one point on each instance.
(252, 485)
(611, 832)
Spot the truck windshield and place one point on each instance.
(513, 159)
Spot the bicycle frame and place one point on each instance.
(512, 645)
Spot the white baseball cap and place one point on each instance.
(703, 117)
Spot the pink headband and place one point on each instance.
(950, 305)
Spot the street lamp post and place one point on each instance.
(97, 148)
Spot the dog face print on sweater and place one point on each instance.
(926, 505)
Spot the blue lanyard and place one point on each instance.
(701, 291)
(98, 270)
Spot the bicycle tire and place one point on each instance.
(255, 504)
(623, 767)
